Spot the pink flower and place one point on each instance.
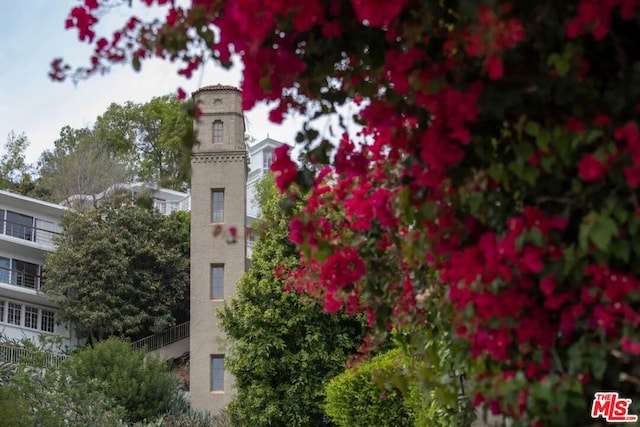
(632, 175)
(331, 305)
(591, 168)
(495, 68)
(630, 346)
(284, 168)
(574, 125)
(602, 120)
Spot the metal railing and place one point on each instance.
(167, 207)
(20, 278)
(154, 342)
(15, 355)
(28, 232)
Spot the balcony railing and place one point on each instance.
(15, 355)
(28, 232)
(154, 342)
(20, 278)
(169, 207)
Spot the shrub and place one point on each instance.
(357, 397)
(141, 383)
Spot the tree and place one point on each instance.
(283, 348)
(16, 174)
(13, 165)
(117, 271)
(88, 168)
(147, 142)
(154, 136)
(498, 171)
(142, 384)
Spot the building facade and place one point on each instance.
(27, 229)
(218, 198)
(260, 159)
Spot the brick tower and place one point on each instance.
(218, 196)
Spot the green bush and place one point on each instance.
(361, 396)
(384, 391)
(49, 397)
(140, 383)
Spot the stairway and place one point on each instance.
(171, 343)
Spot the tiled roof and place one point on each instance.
(213, 88)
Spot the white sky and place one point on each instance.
(32, 34)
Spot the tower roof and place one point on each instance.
(213, 88)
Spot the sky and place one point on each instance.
(32, 33)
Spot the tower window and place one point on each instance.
(217, 205)
(267, 159)
(217, 281)
(217, 132)
(217, 373)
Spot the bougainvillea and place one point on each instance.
(497, 172)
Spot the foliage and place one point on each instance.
(283, 348)
(153, 136)
(140, 383)
(144, 141)
(118, 271)
(385, 391)
(107, 385)
(193, 418)
(80, 164)
(355, 399)
(51, 398)
(498, 170)
(16, 174)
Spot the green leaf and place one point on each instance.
(603, 231)
(530, 175)
(547, 163)
(532, 129)
(593, 134)
(622, 250)
(561, 63)
(135, 62)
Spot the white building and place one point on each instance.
(165, 200)
(27, 228)
(260, 159)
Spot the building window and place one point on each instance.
(26, 274)
(46, 321)
(251, 235)
(14, 312)
(267, 159)
(20, 226)
(2, 310)
(217, 132)
(217, 205)
(30, 317)
(217, 373)
(5, 270)
(217, 281)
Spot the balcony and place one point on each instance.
(39, 236)
(20, 278)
